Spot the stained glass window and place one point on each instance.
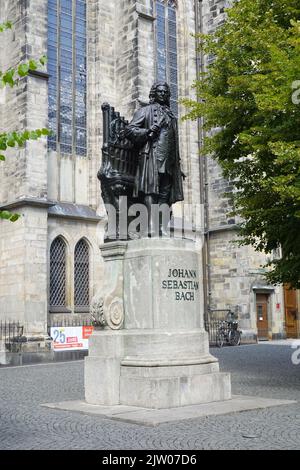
(67, 69)
(166, 46)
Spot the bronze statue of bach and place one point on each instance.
(154, 133)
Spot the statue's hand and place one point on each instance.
(154, 131)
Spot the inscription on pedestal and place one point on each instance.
(184, 282)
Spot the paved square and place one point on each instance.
(258, 370)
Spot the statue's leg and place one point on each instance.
(165, 184)
(149, 201)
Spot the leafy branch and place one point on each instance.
(12, 76)
(4, 26)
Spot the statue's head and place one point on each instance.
(160, 93)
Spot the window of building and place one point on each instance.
(58, 273)
(67, 70)
(81, 275)
(166, 46)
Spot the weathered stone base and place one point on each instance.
(161, 358)
(172, 387)
(150, 417)
(153, 369)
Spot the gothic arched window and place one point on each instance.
(58, 273)
(166, 46)
(82, 275)
(67, 70)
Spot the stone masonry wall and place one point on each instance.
(23, 254)
(12, 270)
(101, 87)
(23, 270)
(13, 172)
(189, 138)
(235, 279)
(219, 204)
(24, 173)
(37, 100)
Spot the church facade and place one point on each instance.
(99, 51)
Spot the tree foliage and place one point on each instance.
(12, 77)
(251, 94)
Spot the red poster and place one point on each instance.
(87, 331)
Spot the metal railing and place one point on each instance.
(11, 335)
(71, 322)
(215, 321)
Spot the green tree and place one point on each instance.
(11, 77)
(251, 92)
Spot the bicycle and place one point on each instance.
(228, 332)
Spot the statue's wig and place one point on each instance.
(153, 90)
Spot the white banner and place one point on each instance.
(72, 338)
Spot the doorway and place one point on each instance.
(290, 307)
(262, 303)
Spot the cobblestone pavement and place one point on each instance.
(258, 370)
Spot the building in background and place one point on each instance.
(100, 51)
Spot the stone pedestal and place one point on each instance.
(153, 350)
